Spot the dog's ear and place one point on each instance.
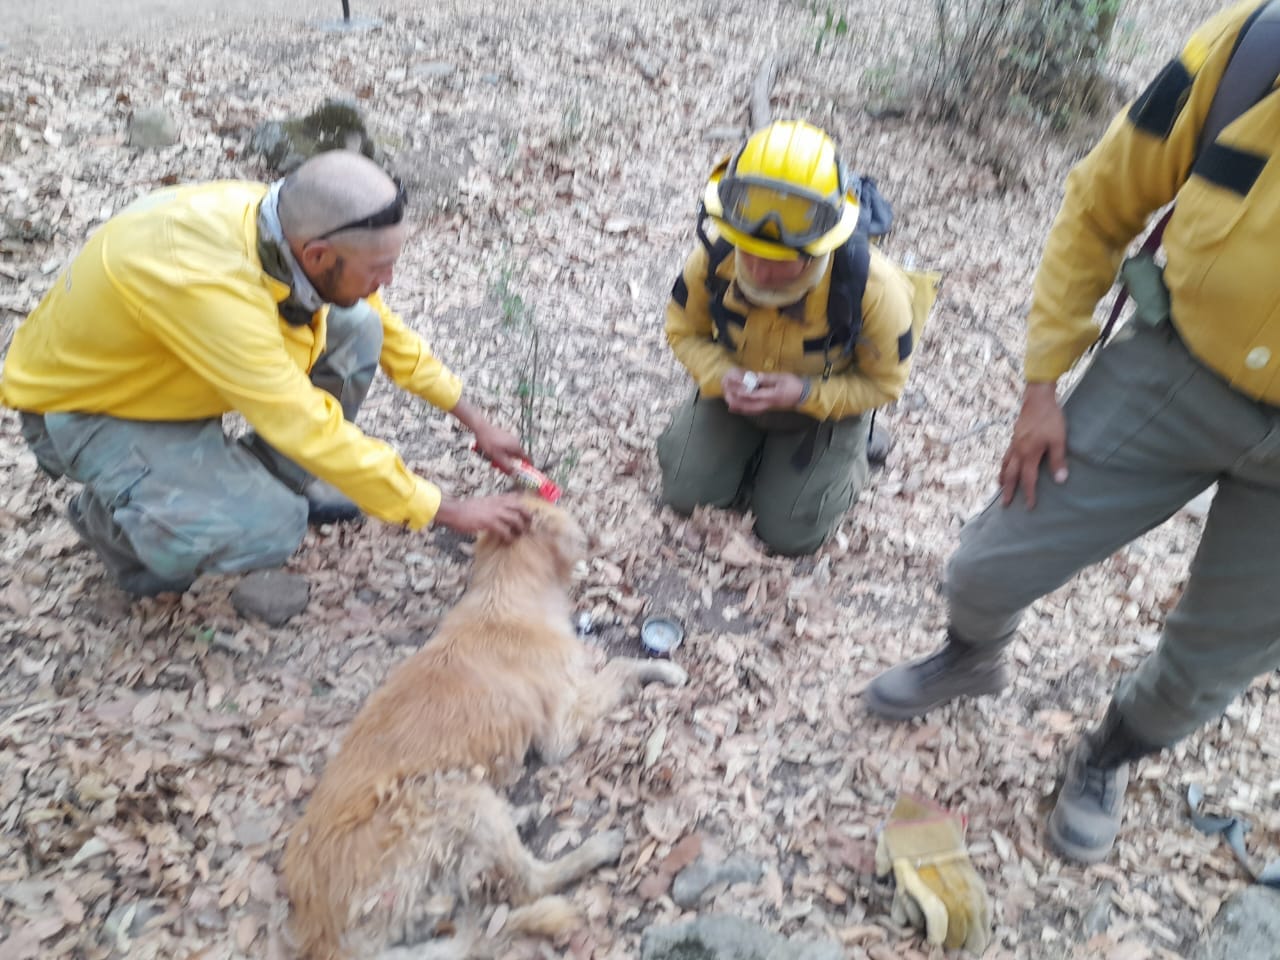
(561, 536)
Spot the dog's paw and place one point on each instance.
(672, 674)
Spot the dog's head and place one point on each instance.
(554, 542)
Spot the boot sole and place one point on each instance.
(910, 711)
(1073, 851)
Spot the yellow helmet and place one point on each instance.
(785, 193)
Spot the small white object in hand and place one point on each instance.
(750, 381)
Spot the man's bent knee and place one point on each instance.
(793, 538)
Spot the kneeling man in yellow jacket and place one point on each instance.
(262, 299)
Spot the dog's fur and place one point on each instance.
(406, 820)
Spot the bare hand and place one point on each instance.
(499, 445)
(772, 391)
(505, 516)
(1040, 429)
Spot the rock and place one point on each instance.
(1247, 928)
(272, 596)
(729, 938)
(700, 876)
(151, 128)
(334, 125)
(1098, 917)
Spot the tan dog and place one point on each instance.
(406, 820)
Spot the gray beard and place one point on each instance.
(785, 296)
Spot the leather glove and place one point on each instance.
(936, 888)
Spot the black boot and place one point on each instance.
(956, 669)
(1086, 819)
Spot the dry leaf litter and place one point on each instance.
(153, 755)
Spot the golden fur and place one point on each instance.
(406, 820)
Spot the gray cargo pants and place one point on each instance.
(165, 501)
(1148, 428)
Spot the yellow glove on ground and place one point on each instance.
(937, 890)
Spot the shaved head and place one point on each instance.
(331, 189)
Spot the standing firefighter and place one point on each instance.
(200, 300)
(1187, 395)
(794, 329)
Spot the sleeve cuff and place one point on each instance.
(423, 505)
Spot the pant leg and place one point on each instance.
(165, 502)
(704, 454)
(1148, 428)
(353, 346)
(798, 507)
(1226, 628)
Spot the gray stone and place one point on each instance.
(272, 596)
(334, 125)
(1246, 928)
(1098, 917)
(700, 876)
(152, 128)
(730, 938)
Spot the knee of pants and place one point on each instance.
(353, 347)
(690, 479)
(792, 535)
(682, 491)
(354, 332)
(175, 544)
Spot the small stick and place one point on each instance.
(761, 111)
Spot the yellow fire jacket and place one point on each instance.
(794, 339)
(1221, 242)
(167, 314)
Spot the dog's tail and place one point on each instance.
(326, 872)
(548, 917)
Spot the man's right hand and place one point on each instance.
(505, 516)
(1040, 429)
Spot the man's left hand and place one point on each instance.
(773, 391)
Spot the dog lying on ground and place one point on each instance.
(406, 819)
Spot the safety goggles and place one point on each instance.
(780, 212)
(388, 216)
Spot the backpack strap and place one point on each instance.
(721, 316)
(850, 264)
(1251, 72)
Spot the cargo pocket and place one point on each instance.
(140, 511)
(113, 486)
(836, 476)
(1136, 378)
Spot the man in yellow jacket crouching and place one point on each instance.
(263, 299)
